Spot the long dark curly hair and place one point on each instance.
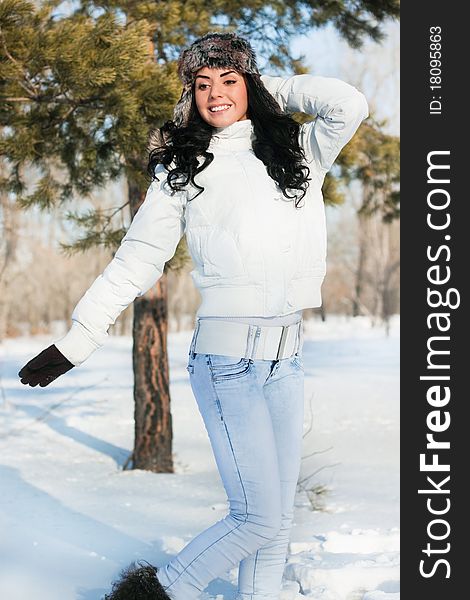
(276, 145)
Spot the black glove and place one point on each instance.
(45, 367)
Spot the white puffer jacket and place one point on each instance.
(255, 254)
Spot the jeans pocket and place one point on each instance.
(297, 361)
(190, 365)
(228, 367)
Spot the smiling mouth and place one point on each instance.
(224, 108)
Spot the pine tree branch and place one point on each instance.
(32, 91)
(14, 99)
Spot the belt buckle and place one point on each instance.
(282, 341)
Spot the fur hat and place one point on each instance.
(218, 50)
(211, 50)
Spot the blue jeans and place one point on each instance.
(253, 412)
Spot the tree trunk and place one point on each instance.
(9, 215)
(360, 267)
(153, 423)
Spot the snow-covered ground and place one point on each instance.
(70, 517)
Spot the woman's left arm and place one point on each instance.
(339, 109)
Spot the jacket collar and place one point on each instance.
(237, 136)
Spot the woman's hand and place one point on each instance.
(45, 367)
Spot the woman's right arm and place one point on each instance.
(149, 243)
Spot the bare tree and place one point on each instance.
(9, 226)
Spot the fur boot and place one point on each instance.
(138, 583)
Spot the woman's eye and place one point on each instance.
(202, 86)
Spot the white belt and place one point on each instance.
(244, 340)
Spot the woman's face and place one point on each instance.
(224, 88)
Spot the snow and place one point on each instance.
(71, 518)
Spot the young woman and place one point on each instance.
(236, 174)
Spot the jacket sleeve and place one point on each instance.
(149, 243)
(339, 109)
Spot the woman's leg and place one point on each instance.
(234, 407)
(260, 574)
